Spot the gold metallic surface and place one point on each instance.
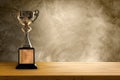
(26, 57)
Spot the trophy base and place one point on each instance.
(26, 58)
(26, 66)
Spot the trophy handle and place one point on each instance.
(36, 15)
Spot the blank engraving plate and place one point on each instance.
(26, 56)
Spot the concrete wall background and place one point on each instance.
(66, 30)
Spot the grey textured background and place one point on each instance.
(66, 30)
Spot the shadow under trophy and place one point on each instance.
(26, 54)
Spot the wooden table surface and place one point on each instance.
(63, 69)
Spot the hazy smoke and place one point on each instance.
(66, 30)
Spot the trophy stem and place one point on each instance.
(27, 42)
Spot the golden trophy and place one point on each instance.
(26, 54)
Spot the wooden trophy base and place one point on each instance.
(26, 58)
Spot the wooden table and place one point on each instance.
(63, 70)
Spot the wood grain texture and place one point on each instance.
(63, 69)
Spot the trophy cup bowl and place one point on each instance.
(26, 54)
